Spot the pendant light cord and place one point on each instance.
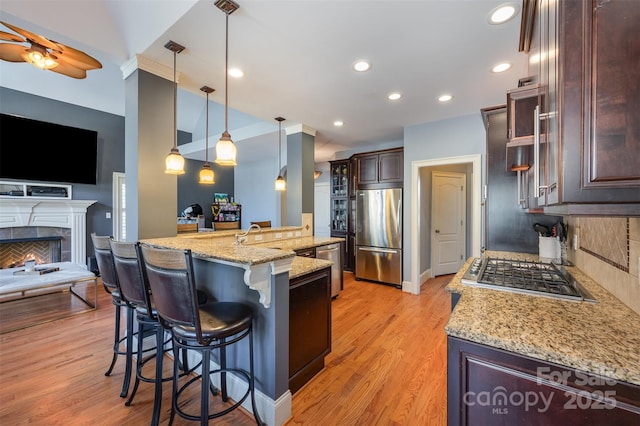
(226, 76)
(206, 151)
(279, 147)
(175, 103)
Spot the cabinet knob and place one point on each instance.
(437, 231)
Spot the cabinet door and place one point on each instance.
(391, 167)
(599, 122)
(368, 169)
(339, 214)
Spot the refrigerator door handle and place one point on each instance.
(399, 221)
(381, 250)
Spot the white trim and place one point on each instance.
(118, 209)
(143, 63)
(476, 230)
(60, 213)
(299, 128)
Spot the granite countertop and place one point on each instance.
(600, 338)
(299, 243)
(215, 249)
(305, 265)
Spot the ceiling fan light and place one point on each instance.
(39, 59)
(281, 184)
(207, 176)
(174, 163)
(226, 151)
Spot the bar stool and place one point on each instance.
(104, 259)
(135, 292)
(205, 328)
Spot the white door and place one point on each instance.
(448, 195)
(321, 214)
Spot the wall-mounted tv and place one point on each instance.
(39, 151)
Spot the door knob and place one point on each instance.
(437, 231)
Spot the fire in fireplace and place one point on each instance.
(43, 249)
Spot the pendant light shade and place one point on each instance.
(225, 148)
(174, 163)
(281, 184)
(207, 177)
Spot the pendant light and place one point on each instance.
(281, 184)
(175, 161)
(225, 148)
(207, 177)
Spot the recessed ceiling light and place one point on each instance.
(503, 13)
(361, 65)
(236, 72)
(338, 123)
(394, 96)
(445, 98)
(501, 67)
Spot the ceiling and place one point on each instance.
(297, 57)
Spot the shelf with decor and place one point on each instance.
(10, 189)
(226, 216)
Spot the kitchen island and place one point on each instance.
(259, 276)
(515, 356)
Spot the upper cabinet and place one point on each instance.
(584, 57)
(383, 167)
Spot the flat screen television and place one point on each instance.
(40, 151)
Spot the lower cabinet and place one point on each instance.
(309, 326)
(489, 386)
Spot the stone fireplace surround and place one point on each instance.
(19, 213)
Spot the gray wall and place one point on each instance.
(110, 130)
(111, 157)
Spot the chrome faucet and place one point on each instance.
(241, 238)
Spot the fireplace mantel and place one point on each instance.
(62, 213)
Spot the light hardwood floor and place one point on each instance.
(387, 367)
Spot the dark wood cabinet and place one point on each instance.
(588, 67)
(309, 326)
(489, 386)
(339, 197)
(382, 167)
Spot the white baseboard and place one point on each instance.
(425, 276)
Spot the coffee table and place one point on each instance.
(18, 285)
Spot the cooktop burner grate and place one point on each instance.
(545, 279)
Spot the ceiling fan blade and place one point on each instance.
(32, 37)
(11, 37)
(11, 52)
(68, 69)
(77, 58)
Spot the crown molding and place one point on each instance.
(300, 128)
(143, 63)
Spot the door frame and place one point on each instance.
(476, 182)
(462, 176)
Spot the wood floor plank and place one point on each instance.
(387, 366)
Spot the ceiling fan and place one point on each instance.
(45, 54)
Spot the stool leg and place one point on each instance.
(223, 374)
(138, 364)
(252, 381)
(129, 354)
(116, 342)
(174, 385)
(204, 391)
(157, 399)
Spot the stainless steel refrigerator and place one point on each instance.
(379, 235)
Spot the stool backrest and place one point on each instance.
(104, 259)
(133, 285)
(172, 283)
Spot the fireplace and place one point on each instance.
(42, 244)
(42, 219)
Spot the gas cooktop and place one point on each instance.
(536, 278)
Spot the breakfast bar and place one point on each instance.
(258, 276)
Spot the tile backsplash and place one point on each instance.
(608, 251)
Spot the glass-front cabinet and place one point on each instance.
(339, 198)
